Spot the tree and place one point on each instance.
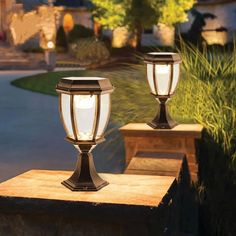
(175, 11)
(135, 14)
(109, 13)
(171, 13)
(140, 14)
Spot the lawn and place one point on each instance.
(131, 100)
(206, 94)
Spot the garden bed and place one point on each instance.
(205, 95)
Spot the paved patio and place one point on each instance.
(32, 137)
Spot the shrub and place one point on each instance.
(89, 50)
(75, 34)
(209, 87)
(79, 32)
(61, 41)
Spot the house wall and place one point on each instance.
(225, 17)
(5, 7)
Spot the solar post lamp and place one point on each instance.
(163, 71)
(84, 105)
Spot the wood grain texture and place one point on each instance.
(139, 190)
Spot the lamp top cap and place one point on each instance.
(84, 85)
(162, 57)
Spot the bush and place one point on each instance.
(209, 88)
(78, 32)
(61, 41)
(89, 50)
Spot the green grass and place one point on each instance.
(206, 94)
(202, 97)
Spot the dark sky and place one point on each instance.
(32, 4)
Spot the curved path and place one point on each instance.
(32, 137)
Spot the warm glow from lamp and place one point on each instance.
(163, 69)
(68, 22)
(50, 45)
(84, 105)
(84, 101)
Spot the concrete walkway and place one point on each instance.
(32, 137)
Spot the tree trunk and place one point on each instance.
(136, 36)
(138, 33)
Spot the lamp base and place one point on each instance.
(84, 186)
(157, 125)
(85, 176)
(162, 119)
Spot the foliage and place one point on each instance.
(140, 14)
(61, 41)
(89, 50)
(214, 73)
(174, 11)
(79, 31)
(210, 85)
(136, 14)
(205, 94)
(115, 13)
(110, 13)
(207, 81)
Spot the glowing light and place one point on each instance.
(68, 22)
(50, 45)
(84, 101)
(162, 69)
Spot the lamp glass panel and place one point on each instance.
(150, 78)
(162, 73)
(65, 110)
(85, 115)
(175, 77)
(104, 114)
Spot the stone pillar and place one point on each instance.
(36, 203)
(180, 139)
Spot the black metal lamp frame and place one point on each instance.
(163, 119)
(85, 176)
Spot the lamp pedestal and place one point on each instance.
(85, 176)
(162, 120)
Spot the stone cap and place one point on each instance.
(137, 191)
(143, 130)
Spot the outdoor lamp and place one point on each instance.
(163, 71)
(50, 45)
(84, 105)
